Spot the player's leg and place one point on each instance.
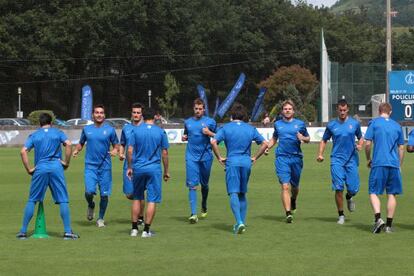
(296, 165)
(154, 196)
(244, 180)
(192, 181)
(37, 192)
(376, 186)
(284, 174)
(393, 188)
(91, 179)
(127, 185)
(138, 189)
(105, 189)
(233, 183)
(352, 180)
(205, 169)
(338, 185)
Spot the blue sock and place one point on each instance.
(192, 197)
(65, 215)
(89, 199)
(28, 214)
(243, 206)
(204, 195)
(235, 207)
(102, 206)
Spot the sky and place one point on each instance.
(326, 3)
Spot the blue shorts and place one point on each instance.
(198, 172)
(102, 178)
(49, 175)
(345, 176)
(150, 181)
(288, 169)
(237, 179)
(128, 187)
(388, 178)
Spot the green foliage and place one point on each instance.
(168, 103)
(34, 116)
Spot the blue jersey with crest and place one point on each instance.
(125, 141)
(99, 141)
(286, 132)
(198, 146)
(343, 135)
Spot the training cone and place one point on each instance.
(40, 228)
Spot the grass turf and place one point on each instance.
(313, 245)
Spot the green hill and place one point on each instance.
(375, 9)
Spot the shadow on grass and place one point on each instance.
(180, 218)
(84, 222)
(122, 221)
(272, 218)
(404, 226)
(222, 226)
(360, 226)
(323, 219)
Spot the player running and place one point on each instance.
(344, 157)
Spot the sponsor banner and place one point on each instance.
(401, 95)
(226, 104)
(86, 109)
(203, 96)
(18, 137)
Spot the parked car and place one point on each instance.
(14, 122)
(78, 122)
(60, 122)
(118, 121)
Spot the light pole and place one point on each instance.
(149, 98)
(19, 111)
(389, 58)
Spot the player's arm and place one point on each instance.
(68, 153)
(115, 150)
(216, 151)
(165, 164)
(322, 146)
(303, 138)
(401, 154)
(121, 152)
(208, 132)
(260, 151)
(25, 160)
(270, 145)
(360, 144)
(368, 145)
(184, 137)
(129, 160)
(78, 148)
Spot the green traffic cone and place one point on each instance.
(40, 228)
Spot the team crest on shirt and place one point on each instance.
(148, 126)
(350, 126)
(46, 130)
(296, 126)
(104, 132)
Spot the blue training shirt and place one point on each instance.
(411, 138)
(125, 141)
(238, 137)
(198, 146)
(47, 144)
(286, 132)
(387, 135)
(343, 136)
(147, 141)
(99, 141)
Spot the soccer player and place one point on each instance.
(410, 144)
(388, 154)
(344, 157)
(238, 136)
(48, 172)
(148, 145)
(136, 120)
(291, 133)
(198, 157)
(98, 164)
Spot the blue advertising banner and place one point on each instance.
(259, 111)
(401, 95)
(86, 109)
(216, 108)
(225, 105)
(259, 101)
(203, 96)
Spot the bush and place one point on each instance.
(34, 116)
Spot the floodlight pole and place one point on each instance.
(389, 57)
(149, 98)
(19, 111)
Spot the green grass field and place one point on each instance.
(313, 245)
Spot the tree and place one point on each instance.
(168, 103)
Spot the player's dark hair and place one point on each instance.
(137, 105)
(238, 112)
(198, 101)
(98, 106)
(342, 102)
(385, 108)
(148, 114)
(45, 119)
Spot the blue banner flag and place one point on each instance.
(86, 109)
(259, 111)
(225, 105)
(217, 106)
(203, 96)
(259, 102)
